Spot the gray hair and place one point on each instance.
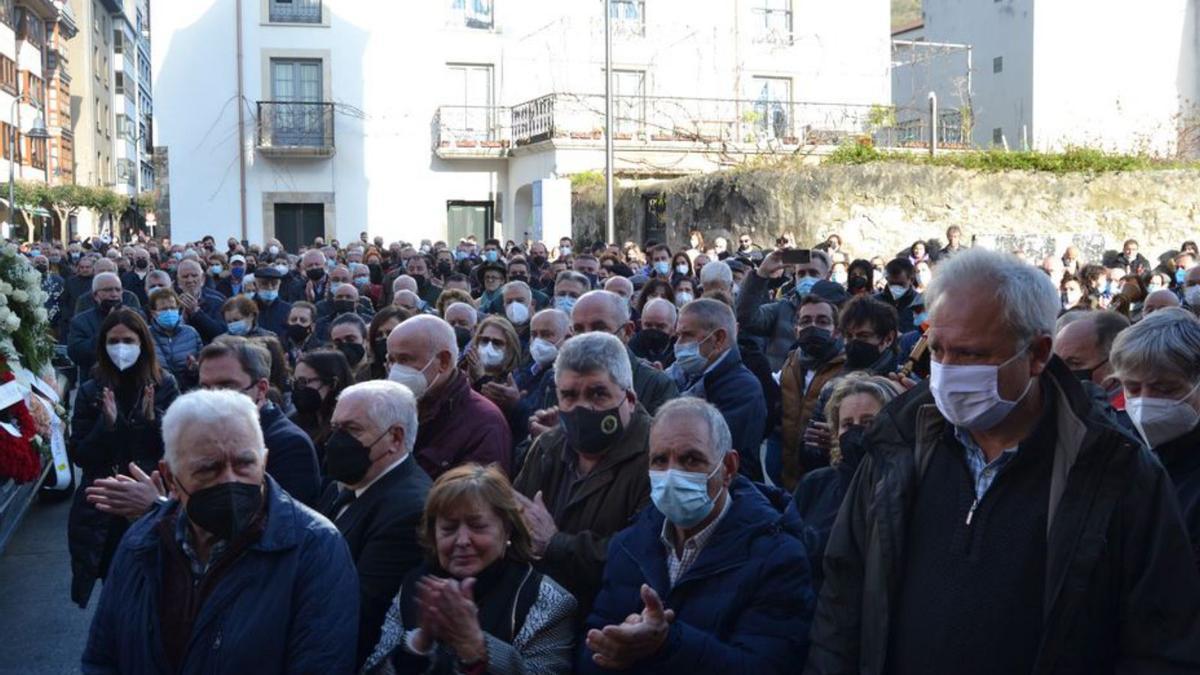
(616, 304)
(355, 268)
(196, 411)
(671, 308)
(254, 358)
(158, 275)
(572, 275)
(562, 322)
(96, 280)
(595, 353)
(697, 408)
(1029, 301)
(719, 272)
(713, 314)
(1166, 342)
(518, 285)
(387, 404)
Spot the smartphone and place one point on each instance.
(795, 256)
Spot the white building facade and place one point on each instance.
(435, 120)
(1050, 74)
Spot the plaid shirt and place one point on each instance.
(677, 565)
(183, 536)
(982, 472)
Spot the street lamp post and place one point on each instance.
(610, 225)
(37, 132)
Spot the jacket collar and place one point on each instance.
(455, 388)
(631, 446)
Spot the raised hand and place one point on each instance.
(640, 636)
(108, 406)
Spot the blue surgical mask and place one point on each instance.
(689, 359)
(491, 255)
(919, 319)
(1152, 288)
(167, 318)
(268, 296)
(682, 496)
(215, 270)
(564, 303)
(240, 327)
(805, 285)
(662, 267)
(361, 281)
(333, 287)
(1180, 276)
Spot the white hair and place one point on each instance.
(96, 280)
(519, 286)
(713, 314)
(671, 309)
(562, 322)
(194, 414)
(719, 437)
(596, 353)
(1029, 301)
(617, 305)
(718, 272)
(441, 334)
(387, 404)
(1166, 343)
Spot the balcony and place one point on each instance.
(295, 11)
(295, 129)
(665, 124)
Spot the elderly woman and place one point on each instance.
(477, 604)
(856, 399)
(494, 354)
(1158, 363)
(241, 317)
(176, 344)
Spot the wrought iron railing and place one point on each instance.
(296, 11)
(466, 126)
(294, 124)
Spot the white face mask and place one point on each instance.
(1160, 420)
(682, 299)
(490, 355)
(517, 312)
(897, 291)
(969, 397)
(410, 377)
(543, 352)
(123, 355)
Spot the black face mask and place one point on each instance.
(306, 399)
(815, 342)
(861, 355)
(538, 260)
(343, 307)
(107, 306)
(141, 263)
(376, 273)
(379, 350)
(225, 509)
(422, 282)
(346, 459)
(592, 432)
(315, 274)
(650, 341)
(297, 333)
(353, 352)
(463, 336)
(42, 268)
(519, 277)
(444, 268)
(852, 446)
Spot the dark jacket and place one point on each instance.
(1121, 587)
(101, 451)
(273, 317)
(745, 604)
(535, 384)
(173, 350)
(82, 336)
(291, 457)
(737, 394)
(86, 302)
(459, 425)
(289, 604)
(772, 322)
(903, 307)
(603, 503)
(208, 319)
(816, 502)
(132, 283)
(652, 386)
(1181, 458)
(380, 528)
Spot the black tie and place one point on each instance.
(344, 498)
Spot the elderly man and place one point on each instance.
(272, 311)
(201, 306)
(584, 479)
(774, 322)
(623, 287)
(462, 316)
(345, 300)
(998, 497)
(517, 300)
(531, 387)
(312, 284)
(378, 495)
(408, 300)
(603, 312)
(156, 280)
(190, 582)
(78, 285)
(716, 277)
(128, 298)
(458, 425)
(717, 550)
(710, 365)
(84, 329)
(1084, 346)
(655, 342)
(1160, 299)
(135, 278)
(1158, 363)
(568, 288)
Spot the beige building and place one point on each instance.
(91, 59)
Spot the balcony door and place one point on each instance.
(298, 225)
(629, 101)
(465, 218)
(772, 98)
(297, 88)
(469, 112)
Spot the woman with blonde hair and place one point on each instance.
(477, 604)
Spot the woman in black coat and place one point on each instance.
(117, 420)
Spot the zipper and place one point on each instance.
(971, 513)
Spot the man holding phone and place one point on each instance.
(774, 322)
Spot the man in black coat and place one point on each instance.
(291, 458)
(201, 306)
(378, 495)
(272, 310)
(84, 330)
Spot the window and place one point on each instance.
(998, 64)
(295, 11)
(6, 136)
(998, 136)
(118, 41)
(773, 18)
(629, 102)
(119, 82)
(298, 114)
(7, 13)
(123, 127)
(950, 128)
(629, 16)
(772, 98)
(8, 75)
(30, 27)
(469, 111)
(126, 172)
(473, 13)
(35, 150)
(32, 85)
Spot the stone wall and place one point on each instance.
(882, 208)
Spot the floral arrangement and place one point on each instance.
(25, 337)
(21, 448)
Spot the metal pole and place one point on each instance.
(12, 155)
(933, 123)
(241, 106)
(610, 223)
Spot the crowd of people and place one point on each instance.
(510, 458)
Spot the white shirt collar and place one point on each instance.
(359, 492)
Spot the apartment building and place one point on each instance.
(1048, 74)
(91, 55)
(298, 118)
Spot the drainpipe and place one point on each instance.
(241, 106)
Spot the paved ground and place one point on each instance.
(41, 630)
